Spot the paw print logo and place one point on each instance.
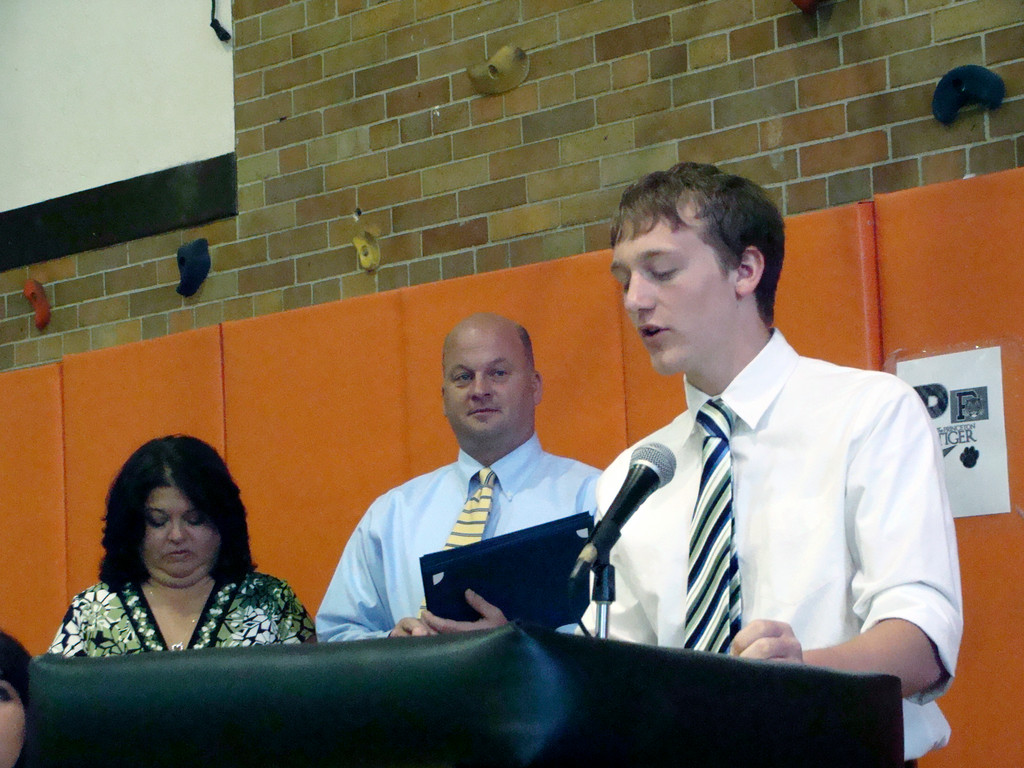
(969, 456)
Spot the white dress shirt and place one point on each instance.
(378, 580)
(841, 517)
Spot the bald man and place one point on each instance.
(490, 389)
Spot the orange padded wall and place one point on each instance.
(32, 592)
(115, 400)
(315, 404)
(951, 274)
(827, 303)
(827, 306)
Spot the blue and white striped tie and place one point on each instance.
(713, 587)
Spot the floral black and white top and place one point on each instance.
(260, 610)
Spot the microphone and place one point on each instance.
(651, 466)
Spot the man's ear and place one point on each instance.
(538, 388)
(749, 271)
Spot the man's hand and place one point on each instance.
(892, 646)
(490, 617)
(411, 627)
(764, 639)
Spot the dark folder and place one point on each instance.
(525, 574)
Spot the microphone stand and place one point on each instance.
(603, 593)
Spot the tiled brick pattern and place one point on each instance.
(346, 104)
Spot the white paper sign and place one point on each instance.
(963, 392)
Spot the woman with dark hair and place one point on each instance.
(13, 699)
(177, 572)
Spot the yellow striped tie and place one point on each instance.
(469, 528)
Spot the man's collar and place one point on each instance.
(755, 387)
(511, 468)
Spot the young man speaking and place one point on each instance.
(807, 520)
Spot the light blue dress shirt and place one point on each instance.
(378, 581)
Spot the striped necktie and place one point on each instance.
(713, 586)
(469, 528)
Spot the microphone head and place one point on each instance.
(658, 457)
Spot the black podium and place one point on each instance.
(508, 697)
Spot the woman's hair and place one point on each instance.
(14, 661)
(14, 665)
(198, 471)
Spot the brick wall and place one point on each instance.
(353, 103)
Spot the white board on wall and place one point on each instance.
(106, 90)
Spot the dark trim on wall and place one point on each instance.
(177, 198)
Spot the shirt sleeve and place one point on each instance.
(294, 624)
(355, 605)
(95, 625)
(902, 535)
(68, 640)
